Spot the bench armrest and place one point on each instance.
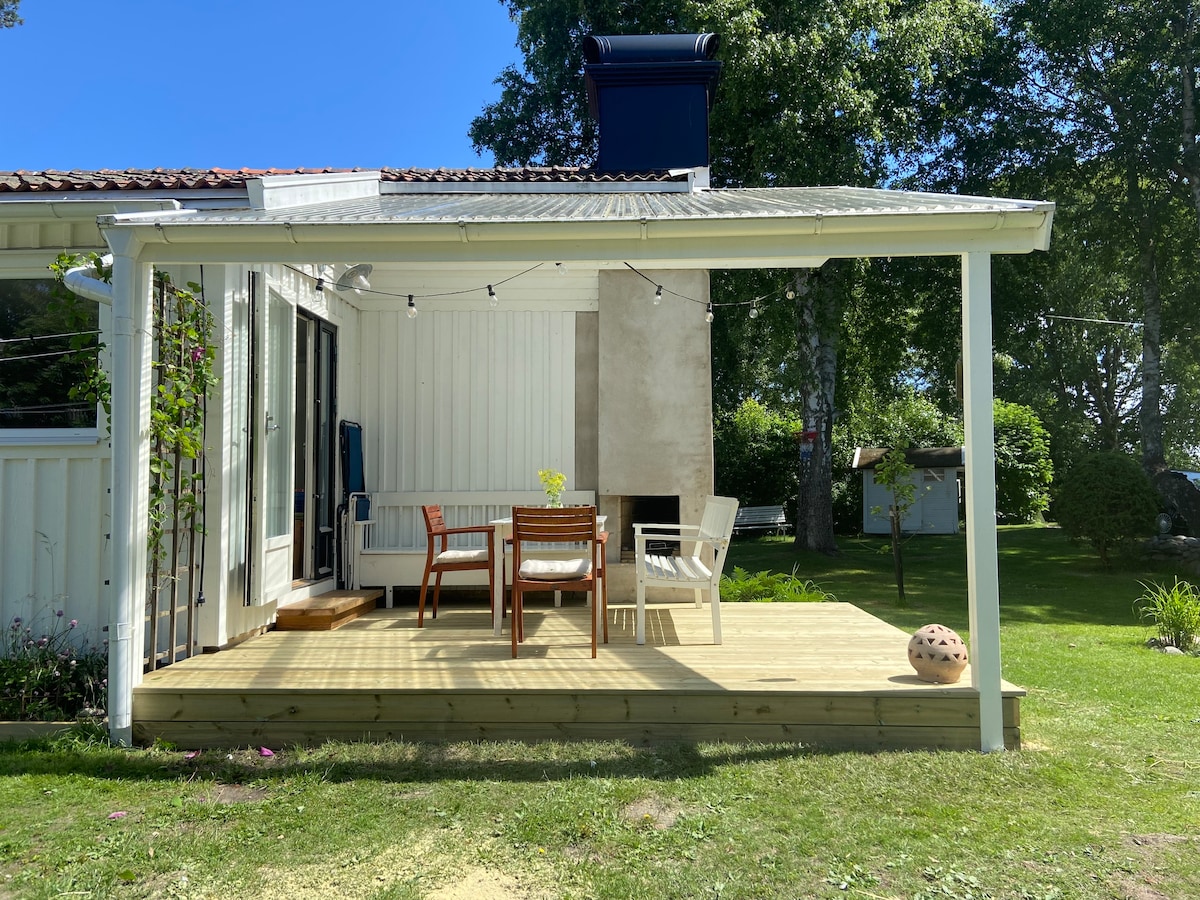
(685, 529)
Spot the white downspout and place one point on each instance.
(983, 579)
(131, 364)
(79, 281)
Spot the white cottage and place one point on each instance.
(936, 481)
(574, 367)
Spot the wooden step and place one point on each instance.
(326, 612)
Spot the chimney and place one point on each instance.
(650, 95)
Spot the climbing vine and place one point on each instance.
(183, 357)
(183, 372)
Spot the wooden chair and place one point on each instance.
(445, 559)
(686, 571)
(541, 526)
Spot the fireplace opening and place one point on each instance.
(649, 510)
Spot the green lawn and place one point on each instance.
(1103, 802)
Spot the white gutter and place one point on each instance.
(79, 281)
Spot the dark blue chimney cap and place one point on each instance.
(650, 48)
(650, 95)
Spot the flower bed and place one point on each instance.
(51, 674)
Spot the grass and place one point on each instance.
(1103, 802)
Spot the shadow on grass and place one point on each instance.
(89, 756)
(1044, 577)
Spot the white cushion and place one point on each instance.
(555, 569)
(461, 556)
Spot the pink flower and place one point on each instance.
(265, 751)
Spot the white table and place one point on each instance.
(504, 529)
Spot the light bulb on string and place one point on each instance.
(708, 313)
(754, 309)
(320, 285)
(412, 307)
(561, 268)
(657, 294)
(790, 294)
(493, 300)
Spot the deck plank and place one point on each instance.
(826, 673)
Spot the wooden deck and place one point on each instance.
(825, 674)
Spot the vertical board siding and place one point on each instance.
(463, 400)
(54, 509)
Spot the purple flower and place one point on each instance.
(197, 354)
(43, 641)
(59, 614)
(16, 622)
(72, 623)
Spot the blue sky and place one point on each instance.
(259, 84)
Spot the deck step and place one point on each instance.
(326, 612)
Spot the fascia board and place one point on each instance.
(79, 210)
(746, 240)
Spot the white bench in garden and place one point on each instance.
(760, 518)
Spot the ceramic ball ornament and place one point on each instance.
(938, 654)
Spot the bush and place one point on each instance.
(1107, 500)
(756, 456)
(771, 587)
(52, 676)
(1174, 611)
(1023, 467)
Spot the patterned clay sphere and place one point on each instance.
(938, 654)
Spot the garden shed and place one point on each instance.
(937, 476)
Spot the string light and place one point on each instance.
(321, 281)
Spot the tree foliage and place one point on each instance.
(754, 452)
(9, 13)
(1107, 500)
(1023, 467)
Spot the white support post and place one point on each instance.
(131, 357)
(983, 581)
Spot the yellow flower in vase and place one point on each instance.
(552, 483)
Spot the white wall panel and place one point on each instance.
(54, 515)
(467, 400)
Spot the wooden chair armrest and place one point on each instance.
(470, 529)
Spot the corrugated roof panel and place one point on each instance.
(626, 205)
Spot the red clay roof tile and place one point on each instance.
(51, 181)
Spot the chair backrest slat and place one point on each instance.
(434, 520)
(569, 524)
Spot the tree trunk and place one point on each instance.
(897, 559)
(1185, 38)
(1150, 409)
(818, 323)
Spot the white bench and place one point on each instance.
(760, 518)
(388, 549)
